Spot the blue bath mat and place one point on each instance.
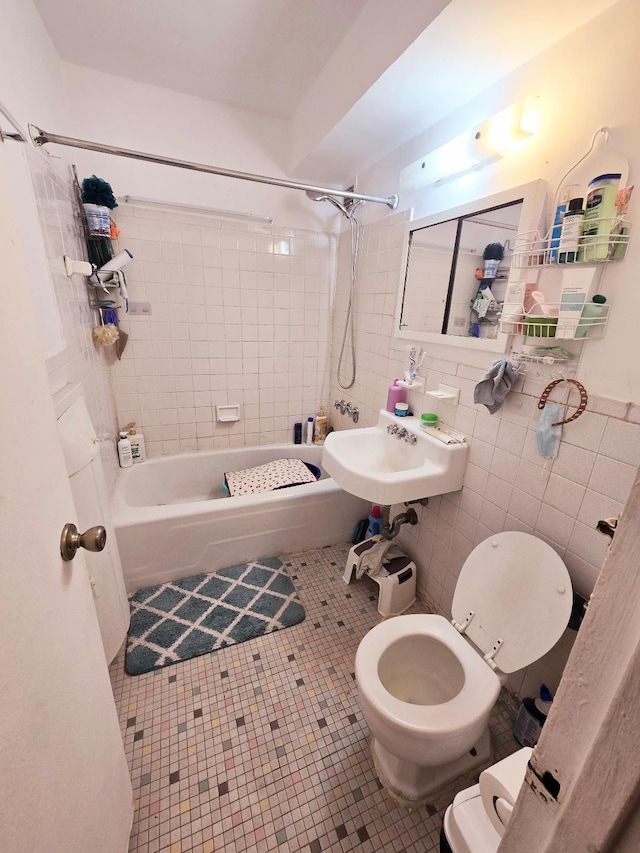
(182, 619)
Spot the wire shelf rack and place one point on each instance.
(606, 241)
(514, 320)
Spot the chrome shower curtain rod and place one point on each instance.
(42, 137)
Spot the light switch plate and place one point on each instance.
(140, 308)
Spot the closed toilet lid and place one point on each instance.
(521, 593)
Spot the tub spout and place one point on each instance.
(391, 529)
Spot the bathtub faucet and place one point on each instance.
(347, 408)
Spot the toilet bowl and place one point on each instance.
(427, 686)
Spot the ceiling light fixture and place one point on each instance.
(498, 136)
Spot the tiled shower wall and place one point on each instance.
(240, 313)
(80, 361)
(506, 485)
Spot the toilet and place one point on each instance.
(427, 686)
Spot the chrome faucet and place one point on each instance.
(392, 429)
(347, 408)
(403, 432)
(353, 412)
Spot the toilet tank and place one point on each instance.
(88, 486)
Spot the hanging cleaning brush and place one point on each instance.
(492, 256)
(97, 191)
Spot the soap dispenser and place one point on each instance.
(394, 395)
(138, 453)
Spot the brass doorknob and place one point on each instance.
(93, 539)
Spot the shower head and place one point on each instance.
(347, 208)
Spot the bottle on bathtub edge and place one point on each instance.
(124, 451)
(320, 427)
(138, 453)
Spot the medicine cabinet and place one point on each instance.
(443, 263)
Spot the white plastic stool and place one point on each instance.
(396, 579)
(397, 582)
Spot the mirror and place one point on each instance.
(457, 269)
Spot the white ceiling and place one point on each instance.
(259, 55)
(353, 78)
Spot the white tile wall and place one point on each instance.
(80, 361)
(241, 313)
(506, 485)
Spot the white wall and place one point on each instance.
(576, 81)
(30, 68)
(241, 313)
(32, 88)
(115, 111)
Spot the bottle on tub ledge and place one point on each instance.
(320, 427)
(124, 451)
(138, 453)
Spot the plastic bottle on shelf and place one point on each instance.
(394, 395)
(571, 231)
(309, 438)
(565, 195)
(124, 451)
(591, 311)
(374, 521)
(599, 216)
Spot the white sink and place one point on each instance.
(384, 469)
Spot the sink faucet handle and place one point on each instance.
(392, 429)
(411, 439)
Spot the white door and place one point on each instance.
(64, 783)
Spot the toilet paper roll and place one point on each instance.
(500, 785)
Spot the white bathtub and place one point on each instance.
(172, 519)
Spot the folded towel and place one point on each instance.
(495, 386)
(268, 477)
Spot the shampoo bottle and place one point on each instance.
(136, 439)
(571, 231)
(320, 428)
(394, 395)
(566, 193)
(309, 431)
(124, 451)
(590, 313)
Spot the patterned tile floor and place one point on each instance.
(262, 746)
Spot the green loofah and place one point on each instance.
(97, 191)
